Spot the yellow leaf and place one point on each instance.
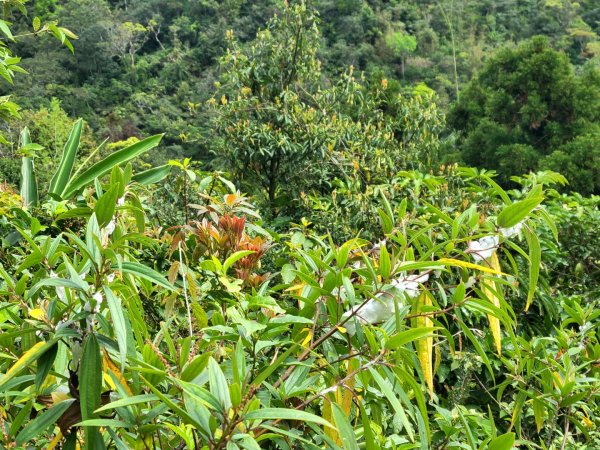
(468, 265)
(307, 338)
(332, 433)
(25, 360)
(37, 313)
(58, 396)
(110, 366)
(55, 441)
(348, 392)
(490, 290)
(425, 345)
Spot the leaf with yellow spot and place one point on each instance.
(491, 290)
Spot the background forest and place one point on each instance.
(286, 224)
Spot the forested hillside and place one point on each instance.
(320, 224)
(144, 67)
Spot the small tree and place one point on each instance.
(401, 45)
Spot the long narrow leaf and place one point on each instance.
(106, 165)
(151, 176)
(29, 187)
(63, 173)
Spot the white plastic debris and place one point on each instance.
(483, 248)
(381, 307)
(511, 231)
(60, 290)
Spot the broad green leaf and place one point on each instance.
(513, 214)
(285, 414)
(106, 165)
(104, 423)
(502, 442)
(41, 423)
(219, 386)
(63, 173)
(6, 30)
(106, 205)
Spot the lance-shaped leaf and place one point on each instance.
(535, 259)
(90, 385)
(491, 290)
(152, 176)
(29, 187)
(513, 214)
(63, 173)
(26, 360)
(106, 165)
(141, 271)
(41, 423)
(424, 345)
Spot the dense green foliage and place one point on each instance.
(367, 291)
(527, 110)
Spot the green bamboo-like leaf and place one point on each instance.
(55, 282)
(409, 335)
(344, 427)
(118, 320)
(152, 176)
(29, 186)
(106, 165)
(513, 214)
(535, 260)
(42, 422)
(129, 401)
(389, 394)
(63, 173)
(90, 384)
(285, 414)
(370, 442)
(142, 271)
